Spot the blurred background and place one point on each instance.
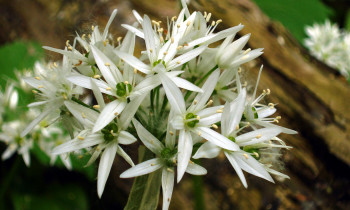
(313, 99)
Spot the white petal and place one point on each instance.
(126, 138)
(217, 139)
(97, 93)
(207, 112)
(37, 120)
(268, 125)
(207, 150)
(262, 113)
(83, 114)
(108, 114)
(134, 62)
(66, 162)
(251, 166)
(184, 153)
(195, 169)
(26, 158)
(110, 73)
(147, 138)
(130, 111)
(126, 157)
(183, 83)
(8, 152)
(173, 94)
(237, 168)
(106, 161)
(208, 87)
(137, 16)
(178, 61)
(105, 32)
(167, 186)
(149, 38)
(84, 81)
(257, 136)
(208, 121)
(69, 54)
(77, 144)
(234, 116)
(145, 86)
(143, 168)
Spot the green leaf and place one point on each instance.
(347, 20)
(145, 190)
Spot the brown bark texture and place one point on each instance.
(312, 98)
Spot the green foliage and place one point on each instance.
(295, 14)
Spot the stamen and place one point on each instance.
(258, 136)
(83, 115)
(210, 102)
(268, 91)
(97, 76)
(108, 88)
(81, 138)
(172, 39)
(116, 113)
(179, 47)
(199, 133)
(247, 51)
(170, 170)
(198, 117)
(83, 37)
(67, 43)
(151, 50)
(126, 82)
(218, 21)
(92, 27)
(195, 102)
(89, 36)
(135, 71)
(173, 18)
(171, 133)
(165, 53)
(178, 25)
(244, 57)
(34, 91)
(178, 62)
(256, 154)
(188, 23)
(205, 14)
(70, 48)
(107, 64)
(152, 164)
(214, 126)
(213, 23)
(40, 86)
(237, 127)
(208, 17)
(96, 106)
(219, 111)
(271, 105)
(55, 64)
(119, 39)
(246, 156)
(37, 78)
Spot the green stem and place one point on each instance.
(83, 104)
(8, 180)
(198, 191)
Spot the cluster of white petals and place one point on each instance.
(181, 98)
(328, 43)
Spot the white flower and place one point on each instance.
(10, 135)
(240, 159)
(165, 160)
(52, 89)
(105, 142)
(195, 119)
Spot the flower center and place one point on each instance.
(254, 151)
(158, 62)
(123, 89)
(108, 132)
(191, 120)
(168, 156)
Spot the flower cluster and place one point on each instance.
(328, 43)
(169, 99)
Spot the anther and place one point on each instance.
(119, 39)
(210, 102)
(219, 111)
(92, 27)
(258, 136)
(97, 76)
(171, 133)
(245, 84)
(199, 133)
(70, 48)
(107, 64)
(152, 164)
(34, 91)
(81, 138)
(40, 86)
(213, 23)
(169, 169)
(256, 154)
(165, 53)
(188, 23)
(178, 62)
(208, 17)
(179, 47)
(178, 25)
(64, 96)
(218, 21)
(237, 127)
(239, 70)
(126, 82)
(271, 105)
(108, 88)
(278, 117)
(276, 121)
(172, 39)
(37, 78)
(195, 102)
(83, 36)
(205, 14)
(247, 51)
(67, 43)
(89, 36)
(151, 50)
(83, 115)
(135, 71)
(246, 156)
(96, 106)
(214, 126)
(198, 117)
(116, 113)
(173, 18)
(55, 64)
(268, 91)
(244, 57)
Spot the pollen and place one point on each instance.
(81, 138)
(96, 106)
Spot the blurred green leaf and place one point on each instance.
(295, 14)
